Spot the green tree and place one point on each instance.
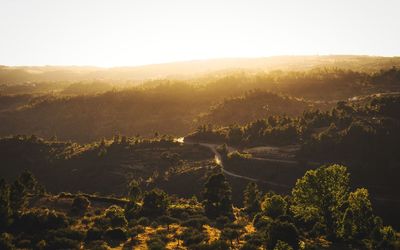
(274, 206)
(321, 194)
(251, 199)
(358, 219)
(217, 197)
(282, 231)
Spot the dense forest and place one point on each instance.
(277, 153)
(177, 107)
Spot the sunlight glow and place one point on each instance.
(126, 32)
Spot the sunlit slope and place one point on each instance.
(12, 75)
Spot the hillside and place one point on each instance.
(21, 74)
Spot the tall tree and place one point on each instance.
(251, 199)
(135, 192)
(217, 197)
(17, 196)
(321, 194)
(5, 209)
(358, 219)
(28, 181)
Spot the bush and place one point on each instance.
(155, 243)
(196, 222)
(282, 231)
(215, 245)
(23, 244)
(6, 241)
(143, 221)
(79, 205)
(155, 203)
(117, 234)
(94, 234)
(116, 216)
(39, 220)
(192, 237)
(274, 206)
(97, 245)
(262, 222)
(67, 233)
(222, 221)
(62, 243)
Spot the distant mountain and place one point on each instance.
(20, 74)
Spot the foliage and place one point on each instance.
(80, 204)
(155, 203)
(282, 231)
(321, 194)
(274, 206)
(251, 199)
(217, 197)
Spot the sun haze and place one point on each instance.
(118, 33)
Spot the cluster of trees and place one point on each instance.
(177, 107)
(349, 131)
(320, 212)
(14, 197)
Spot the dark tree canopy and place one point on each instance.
(217, 197)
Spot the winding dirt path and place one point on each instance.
(218, 160)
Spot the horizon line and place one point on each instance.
(190, 61)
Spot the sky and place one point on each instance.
(130, 32)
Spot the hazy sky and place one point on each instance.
(132, 32)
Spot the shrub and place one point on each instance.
(116, 216)
(62, 243)
(6, 241)
(274, 206)
(283, 231)
(143, 221)
(67, 233)
(196, 222)
(155, 203)
(94, 234)
(193, 236)
(79, 205)
(40, 219)
(97, 245)
(155, 243)
(117, 234)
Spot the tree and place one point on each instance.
(321, 194)
(80, 204)
(29, 181)
(167, 220)
(5, 209)
(282, 231)
(274, 206)
(135, 192)
(17, 196)
(230, 234)
(217, 197)
(358, 219)
(155, 203)
(251, 199)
